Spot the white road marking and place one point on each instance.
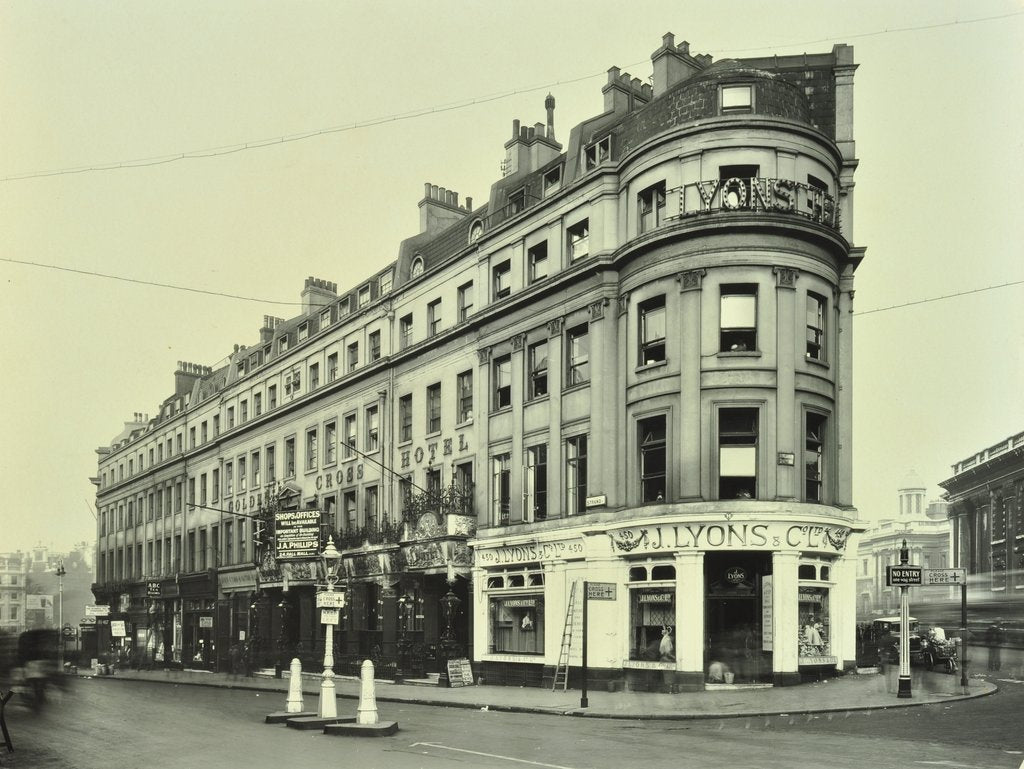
(952, 763)
(489, 755)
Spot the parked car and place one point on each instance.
(886, 631)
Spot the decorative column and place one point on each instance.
(785, 619)
(786, 408)
(689, 630)
(603, 448)
(688, 348)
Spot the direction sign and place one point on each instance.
(897, 576)
(945, 576)
(102, 610)
(330, 616)
(600, 591)
(330, 600)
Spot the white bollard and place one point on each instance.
(367, 712)
(294, 702)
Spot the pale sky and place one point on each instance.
(938, 113)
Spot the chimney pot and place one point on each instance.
(426, 190)
(433, 192)
(469, 203)
(515, 129)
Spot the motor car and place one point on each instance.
(886, 632)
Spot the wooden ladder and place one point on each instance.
(562, 669)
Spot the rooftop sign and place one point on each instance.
(766, 195)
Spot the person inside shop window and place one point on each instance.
(812, 633)
(526, 624)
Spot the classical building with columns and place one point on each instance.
(630, 367)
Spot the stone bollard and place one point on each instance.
(367, 712)
(294, 702)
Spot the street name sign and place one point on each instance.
(901, 576)
(97, 611)
(945, 576)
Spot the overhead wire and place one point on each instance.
(438, 109)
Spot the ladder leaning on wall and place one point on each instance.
(562, 669)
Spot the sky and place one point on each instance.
(238, 147)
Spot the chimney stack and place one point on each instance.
(186, 375)
(317, 294)
(440, 208)
(674, 63)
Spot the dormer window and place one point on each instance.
(241, 368)
(343, 307)
(266, 352)
(475, 231)
(282, 344)
(364, 296)
(553, 181)
(386, 281)
(417, 267)
(597, 153)
(516, 202)
(736, 98)
(325, 318)
(304, 331)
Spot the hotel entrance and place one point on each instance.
(733, 649)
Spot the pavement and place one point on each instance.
(861, 691)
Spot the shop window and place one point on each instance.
(577, 355)
(537, 483)
(516, 618)
(826, 573)
(537, 261)
(576, 474)
(578, 240)
(464, 385)
(652, 613)
(737, 453)
(653, 461)
(814, 632)
(651, 207)
(537, 365)
(652, 330)
(815, 327)
(807, 571)
(814, 442)
(502, 491)
(502, 386)
(738, 319)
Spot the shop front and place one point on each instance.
(233, 639)
(673, 604)
(198, 599)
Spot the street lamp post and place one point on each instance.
(903, 691)
(60, 622)
(329, 603)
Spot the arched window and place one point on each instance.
(417, 267)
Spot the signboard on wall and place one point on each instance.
(297, 534)
(117, 628)
(767, 612)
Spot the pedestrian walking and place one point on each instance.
(994, 641)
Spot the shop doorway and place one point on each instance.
(734, 652)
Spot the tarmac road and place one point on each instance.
(125, 724)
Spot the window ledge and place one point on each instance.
(652, 365)
(739, 353)
(434, 434)
(501, 410)
(578, 386)
(405, 442)
(819, 363)
(539, 398)
(464, 423)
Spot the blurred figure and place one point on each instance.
(994, 641)
(38, 664)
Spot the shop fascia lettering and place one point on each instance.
(729, 536)
(530, 551)
(765, 194)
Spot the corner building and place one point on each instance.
(631, 367)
